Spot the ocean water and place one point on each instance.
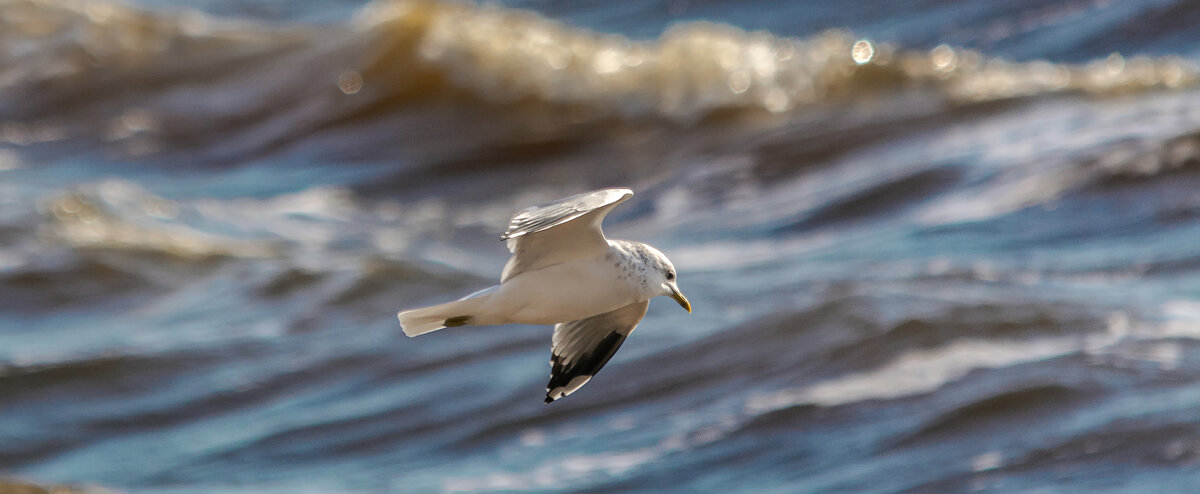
(932, 246)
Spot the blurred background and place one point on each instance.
(933, 246)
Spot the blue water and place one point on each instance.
(966, 262)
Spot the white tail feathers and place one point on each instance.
(414, 323)
(417, 322)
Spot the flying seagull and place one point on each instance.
(564, 272)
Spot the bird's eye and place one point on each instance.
(670, 276)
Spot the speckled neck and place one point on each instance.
(639, 263)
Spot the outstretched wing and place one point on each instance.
(582, 347)
(553, 233)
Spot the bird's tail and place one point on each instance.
(461, 312)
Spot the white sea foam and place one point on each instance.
(916, 372)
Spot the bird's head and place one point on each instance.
(665, 278)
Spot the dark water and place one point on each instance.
(969, 261)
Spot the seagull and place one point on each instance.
(564, 272)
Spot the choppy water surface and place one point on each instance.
(939, 249)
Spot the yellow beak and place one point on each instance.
(683, 301)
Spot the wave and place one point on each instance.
(119, 216)
(1026, 405)
(73, 285)
(892, 196)
(697, 67)
(16, 485)
(1130, 163)
(142, 82)
(1131, 444)
(97, 377)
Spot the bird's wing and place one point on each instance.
(582, 347)
(553, 233)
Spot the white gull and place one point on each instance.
(565, 272)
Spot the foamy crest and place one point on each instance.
(508, 55)
(117, 215)
(695, 68)
(288, 80)
(562, 472)
(926, 370)
(577, 471)
(916, 372)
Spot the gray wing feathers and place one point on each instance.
(544, 217)
(546, 235)
(582, 347)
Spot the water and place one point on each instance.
(939, 249)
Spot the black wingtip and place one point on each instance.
(549, 400)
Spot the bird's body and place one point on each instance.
(564, 272)
(569, 291)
